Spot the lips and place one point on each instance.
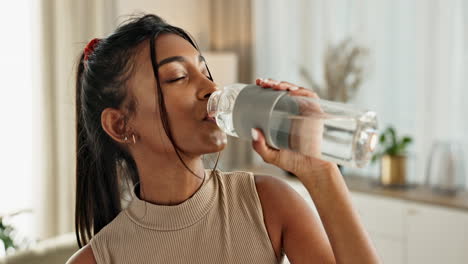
(210, 119)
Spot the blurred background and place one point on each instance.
(404, 59)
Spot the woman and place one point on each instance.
(141, 118)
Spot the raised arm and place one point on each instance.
(348, 239)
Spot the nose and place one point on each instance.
(208, 87)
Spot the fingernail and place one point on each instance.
(254, 134)
(294, 88)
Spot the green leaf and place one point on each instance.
(403, 145)
(392, 132)
(400, 149)
(382, 138)
(406, 140)
(7, 241)
(5, 235)
(376, 156)
(392, 150)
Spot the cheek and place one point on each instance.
(149, 127)
(182, 111)
(147, 122)
(182, 117)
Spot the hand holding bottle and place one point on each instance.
(305, 152)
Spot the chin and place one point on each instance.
(213, 142)
(220, 144)
(217, 142)
(212, 149)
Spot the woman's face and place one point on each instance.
(186, 87)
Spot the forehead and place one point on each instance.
(169, 45)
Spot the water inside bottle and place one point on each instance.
(329, 130)
(343, 140)
(337, 139)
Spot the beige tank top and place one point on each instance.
(221, 223)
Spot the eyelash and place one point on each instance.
(175, 80)
(180, 78)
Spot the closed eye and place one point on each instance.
(175, 80)
(180, 78)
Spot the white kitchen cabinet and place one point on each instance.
(381, 216)
(414, 233)
(390, 250)
(437, 235)
(384, 220)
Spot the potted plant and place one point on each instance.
(392, 154)
(5, 235)
(8, 232)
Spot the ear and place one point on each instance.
(113, 122)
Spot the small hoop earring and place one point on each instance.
(134, 140)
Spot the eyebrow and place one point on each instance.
(178, 59)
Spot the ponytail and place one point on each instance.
(98, 160)
(82, 207)
(97, 191)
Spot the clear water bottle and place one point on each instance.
(332, 131)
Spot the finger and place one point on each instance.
(259, 81)
(304, 92)
(282, 86)
(288, 86)
(267, 153)
(277, 85)
(267, 83)
(285, 85)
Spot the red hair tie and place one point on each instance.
(89, 49)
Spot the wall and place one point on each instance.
(193, 16)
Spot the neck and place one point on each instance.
(164, 180)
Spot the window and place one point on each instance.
(16, 112)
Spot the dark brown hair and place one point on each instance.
(101, 82)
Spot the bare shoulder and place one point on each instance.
(83, 256)
(269, 191)
(278, 194)
(284, 202)
(303, 236)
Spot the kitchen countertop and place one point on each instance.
(414, 193)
